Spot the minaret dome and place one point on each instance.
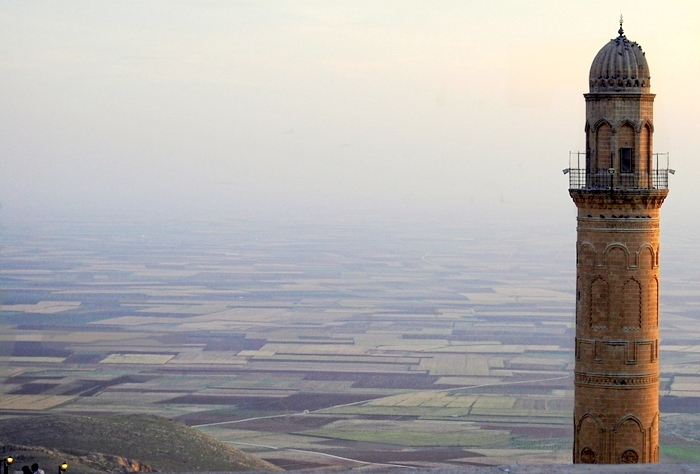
(620, 66)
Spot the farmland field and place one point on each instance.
(343, 344)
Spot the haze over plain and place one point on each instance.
(239, 109)
(450, 116)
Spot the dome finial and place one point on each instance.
(621, 31)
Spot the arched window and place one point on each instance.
(625, 140)
(603, 149)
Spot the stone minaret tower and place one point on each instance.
(619, 195)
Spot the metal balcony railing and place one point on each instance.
(611, 178)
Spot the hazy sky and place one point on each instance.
(200, 107)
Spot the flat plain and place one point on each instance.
(322, 345)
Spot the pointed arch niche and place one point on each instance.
(590, 434)
(629, 441)
(631, 305)
(599, 303)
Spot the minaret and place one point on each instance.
(619, 195)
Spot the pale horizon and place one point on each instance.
(195, 109)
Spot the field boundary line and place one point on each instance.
(277, 448)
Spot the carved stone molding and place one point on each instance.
(596, 223)
(619, 202)
(615, 381)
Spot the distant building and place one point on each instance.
(618, 188)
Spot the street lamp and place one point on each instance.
(6, 462)
(62, 468)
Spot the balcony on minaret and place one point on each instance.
(622, 176)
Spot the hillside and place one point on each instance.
(144, 442)
(48, 459)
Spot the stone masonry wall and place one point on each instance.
(616, 413)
